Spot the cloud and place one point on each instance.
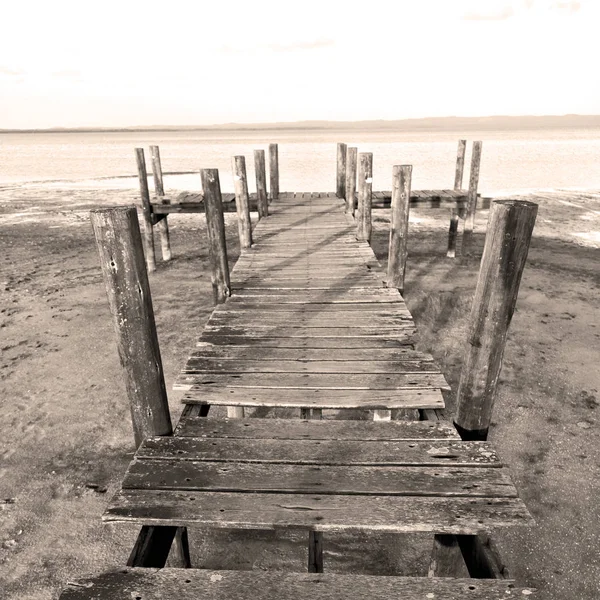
(572, 6)
(7, 71)
(70, 74)
(499, 15)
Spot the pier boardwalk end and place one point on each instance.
(308, 321)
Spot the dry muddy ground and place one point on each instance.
(65, 435)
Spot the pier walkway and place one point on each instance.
(310, 324)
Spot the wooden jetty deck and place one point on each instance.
(306, 320)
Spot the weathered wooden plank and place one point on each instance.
(391, 332)
(170, 584)
(293, 429)
(422, 480)
(315, 398)
(317, 307)
(216, 365)
(362, 342)
(326, 452)
(321, 381)
(386, 514)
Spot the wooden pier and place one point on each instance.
(307, 319)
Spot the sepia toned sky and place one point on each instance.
(127, 62)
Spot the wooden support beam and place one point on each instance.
(315, 552)
(340, 186)
(146, 210)
(161, 225)
(274, 171)
(350, 182)
(215, 223)
(119, 244)
(242, 201)
(398, 245)
(510, 226)
(472, 205)
(458, 179)
(261, 184)
(365, 200)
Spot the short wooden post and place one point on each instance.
(472, 204)
(274, 171)
(365, 203)
(398, 246)
(315, 552)
(242, 201)
(162, 225)
(350, 185)
(340, 185)
(510, 226)
(458, 179)
(146, 211)
(119, 244)
(261, 184)
(215, 223)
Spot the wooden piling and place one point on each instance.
(458, 179)
(315, 552)
(340, 185)
(510, 226)
(242, 201)
(120, 246)
(350, 183)
(146, 211)
(472, 195)
(215, 224)
(261, 184)
(398, 247)
(274, 171)
(162, 226)
(365, 201)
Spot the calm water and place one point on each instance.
(512, 160)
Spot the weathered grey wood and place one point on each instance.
(318, 381)
(242, 201)
(472, 206)
(362, 342)
(398, 244)
(318, 512)
(175, 584)
(261, 184)
(274, 171)
(365, 187)
(458, 180)
(288, 429)
(162, 225)
(146, 211)
(215, 225)
(152, 546)
(326, 452)
(120, 247)
(350, 181)
(325, 398)
(510, 227)
(341, 170)
(216, 365)
(446, 558)
(398, 331)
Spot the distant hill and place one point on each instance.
(426, 124)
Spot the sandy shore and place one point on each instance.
(65, 436)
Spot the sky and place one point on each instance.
(114, 63)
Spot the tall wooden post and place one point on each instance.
(146, 210)
(458, 179)
(350, 187)
(215, 224)
(274, 171)
(162, 226)
(398, 247)
(261, 184)
(242, 201)
(472, 206)
(340, 185)
(365, 203)
(510, 226)
(119, 244)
